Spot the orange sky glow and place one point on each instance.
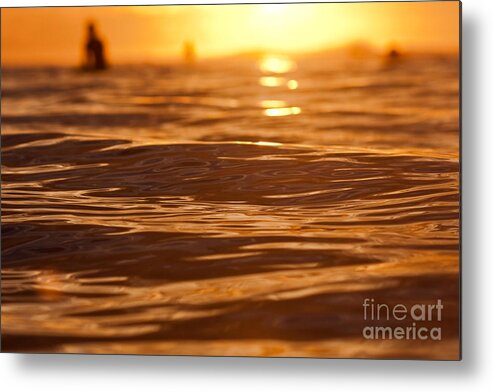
(157, 33)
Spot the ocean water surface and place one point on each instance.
(245, 206)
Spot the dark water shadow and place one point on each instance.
(304, 318)
(90, 119)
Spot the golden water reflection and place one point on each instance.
(293, 84)
(278, 108)
(271, 81)
(276, 81)
(279, 112)
(273, 103)
(277, 64)
(157, 211)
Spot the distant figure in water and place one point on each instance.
(393, 54)
(392, 57)
(95, 58)
(189, 53)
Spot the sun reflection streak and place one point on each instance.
(273, 103)
(276, 81)
(261, 143)
(271, 81)
(279, 112)
(293, 84)
(277, 64)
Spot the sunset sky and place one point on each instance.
(157, 33)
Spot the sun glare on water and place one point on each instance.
(279, 112)
(277, 64)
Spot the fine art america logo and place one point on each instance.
(409, 318)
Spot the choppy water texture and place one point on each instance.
(230, 208)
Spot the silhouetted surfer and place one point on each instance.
(189, 53)
(392, 57)
(393, 54)
(95, 59)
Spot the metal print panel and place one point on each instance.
(235, 180)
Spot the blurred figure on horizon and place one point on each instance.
(393, 52)
(392, 57)
(189, 53)
(95, 57)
